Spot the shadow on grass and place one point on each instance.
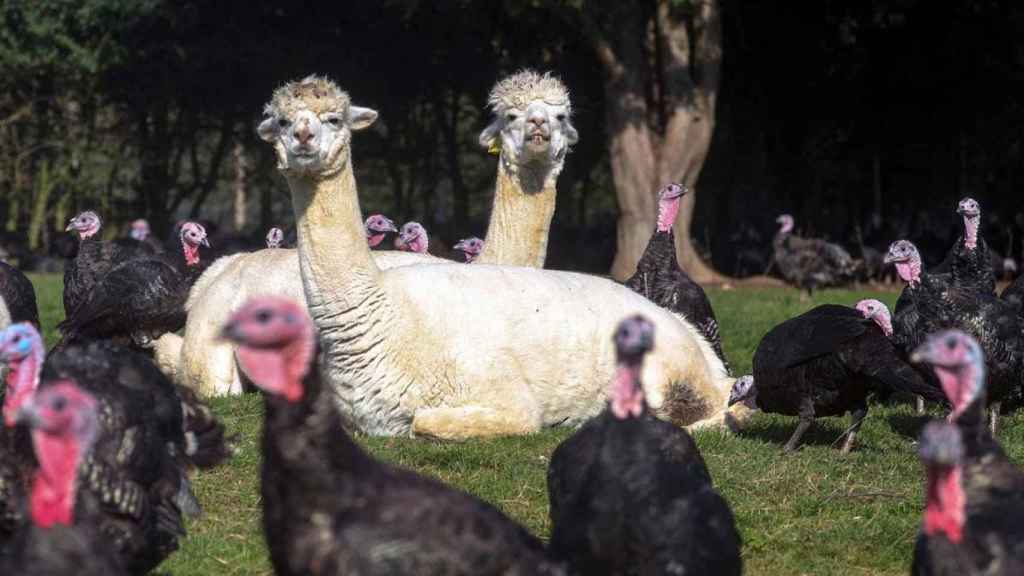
(909, 425)
(823, 432)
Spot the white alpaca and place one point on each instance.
(533, 132)
(403, 351)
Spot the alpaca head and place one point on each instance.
(377, 228)
(471, 247)
(310, 123)
(140, 229)
(531, 127)
(412, 238)
(274, 237)
(959, 364)
(877, 311)
(85, 224)
(785, 222)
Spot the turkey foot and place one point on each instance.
(857, 416)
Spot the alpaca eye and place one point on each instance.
(334, 121)
(283, 123)
(560, 117)
(511, 117)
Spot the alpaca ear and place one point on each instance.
(488, 138)
(571, 135)
(359, 117)
(267, 129)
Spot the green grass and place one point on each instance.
(813, 512)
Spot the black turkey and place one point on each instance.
(939, 305)
(922, 305)
(18, 294)
(330, 508)
(959, 364)
(659, 278)
(150, 435)
(15, 468)
(63, 535)
(378, 227)
(140, 300)
(969, 261)
(275, 236)
(140, 239)
(810, 263)
(967, 529)
(94, 259)
(1014, 295)
(470, 247)
(630, 493)
(413, 237)
(825, 362)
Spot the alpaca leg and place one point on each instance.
(473, 421)
(857, 415)
(806, 418)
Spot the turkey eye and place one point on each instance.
(951, 343)
(263, 316)
(58, 403)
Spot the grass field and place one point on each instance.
(813, 512)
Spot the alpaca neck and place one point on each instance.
(337, 269)
(520, 220)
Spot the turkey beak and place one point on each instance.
(231, 332)
(921, 354)
(28, 415)
(70, 226)
(204, 242)
(390, 227)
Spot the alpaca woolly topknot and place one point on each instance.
(314, 93)
(523, 87)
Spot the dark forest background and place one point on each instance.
(866, 120)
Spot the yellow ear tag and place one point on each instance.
(494, 148)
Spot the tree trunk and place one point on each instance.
(660, 107)
(241, 193)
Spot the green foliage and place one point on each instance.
(813, 512)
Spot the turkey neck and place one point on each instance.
(517, 234)
(53, 490)
(339, 275)
(660, 252)
(971, 232)
(306, 437)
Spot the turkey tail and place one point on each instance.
(206, 445)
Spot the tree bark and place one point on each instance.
(660, 106)
(241, 192)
